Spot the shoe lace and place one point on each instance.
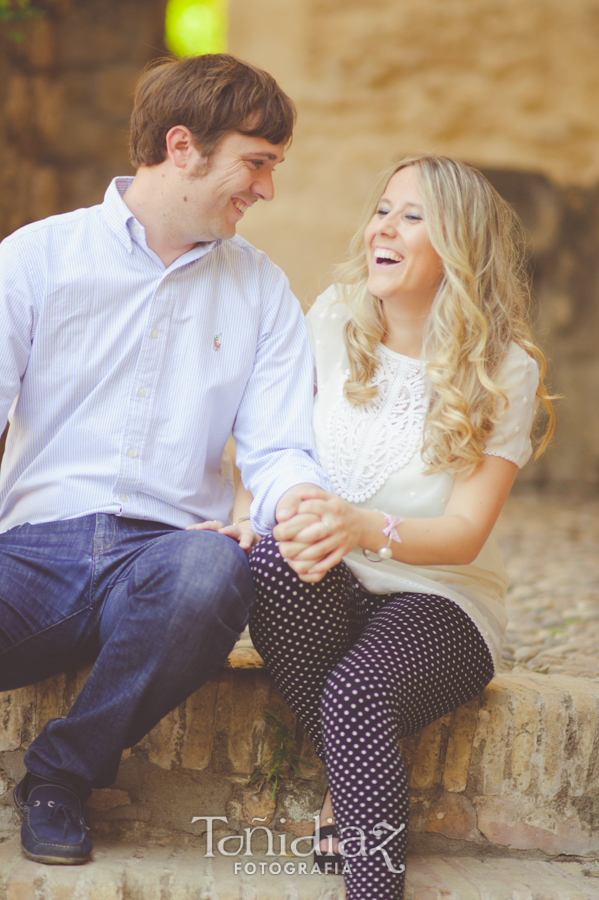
(70, 816)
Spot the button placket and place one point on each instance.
(144, 382)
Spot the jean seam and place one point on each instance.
(43, 631)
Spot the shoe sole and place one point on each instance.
(53, 860)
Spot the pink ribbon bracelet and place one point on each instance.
(390, 531)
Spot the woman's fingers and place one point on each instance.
(290, 549)
(288, 531)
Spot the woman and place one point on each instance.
(388, 611)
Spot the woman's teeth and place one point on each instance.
(386, 256)
(240, 205)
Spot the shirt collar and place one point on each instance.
(116, 212)
(126, 227)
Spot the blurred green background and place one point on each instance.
(196, 26)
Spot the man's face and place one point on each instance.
(216, 194)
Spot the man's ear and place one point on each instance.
(180, 147)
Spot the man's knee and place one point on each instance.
(209, 579)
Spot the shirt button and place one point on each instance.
(123, 498)
(142, 392)
(131, 452)
(516, 429)
(135, 229)
(155, 333)
(129, 246)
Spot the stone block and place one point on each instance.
(454, 816)
(16, 715)
(165, 739)
(522, 823)
(258, 805)
(107, 798)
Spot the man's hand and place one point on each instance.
(242, 532)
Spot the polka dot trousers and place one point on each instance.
(360, 671)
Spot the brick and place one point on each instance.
(427, 767)
(526, 729)
(199, 718)
(459, 746)
(496, 736)
(50, 700)
(249, 697)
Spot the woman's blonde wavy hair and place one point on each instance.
(481, 306)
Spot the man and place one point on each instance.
(136, 335)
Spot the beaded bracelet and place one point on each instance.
(389, 531)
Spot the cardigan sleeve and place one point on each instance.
(519, 379)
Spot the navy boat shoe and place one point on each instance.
(52, 825)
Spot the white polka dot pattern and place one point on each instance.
(360, 671)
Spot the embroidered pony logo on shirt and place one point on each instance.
(216, 344)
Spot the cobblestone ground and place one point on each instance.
(550, 545)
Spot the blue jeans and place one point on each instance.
(159, 609)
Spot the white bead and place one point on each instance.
(385, 553)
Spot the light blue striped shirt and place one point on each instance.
(130, 376)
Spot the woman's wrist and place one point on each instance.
(380, 534)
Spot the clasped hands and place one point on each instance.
(315, 530)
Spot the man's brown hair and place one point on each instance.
(212, 95)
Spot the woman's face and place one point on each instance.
(401, 261)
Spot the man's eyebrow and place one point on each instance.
(265, 155)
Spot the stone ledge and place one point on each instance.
(173, 873)
(514, 771)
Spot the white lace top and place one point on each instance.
(372, 455)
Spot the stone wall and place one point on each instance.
(513, 772)
(65, 101)
(509, 85)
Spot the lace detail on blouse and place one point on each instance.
(367, 443)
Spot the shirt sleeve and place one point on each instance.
(273, 427)
(17, 323)
(519, 380)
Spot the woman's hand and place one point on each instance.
(321, 533)
(242, 532)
